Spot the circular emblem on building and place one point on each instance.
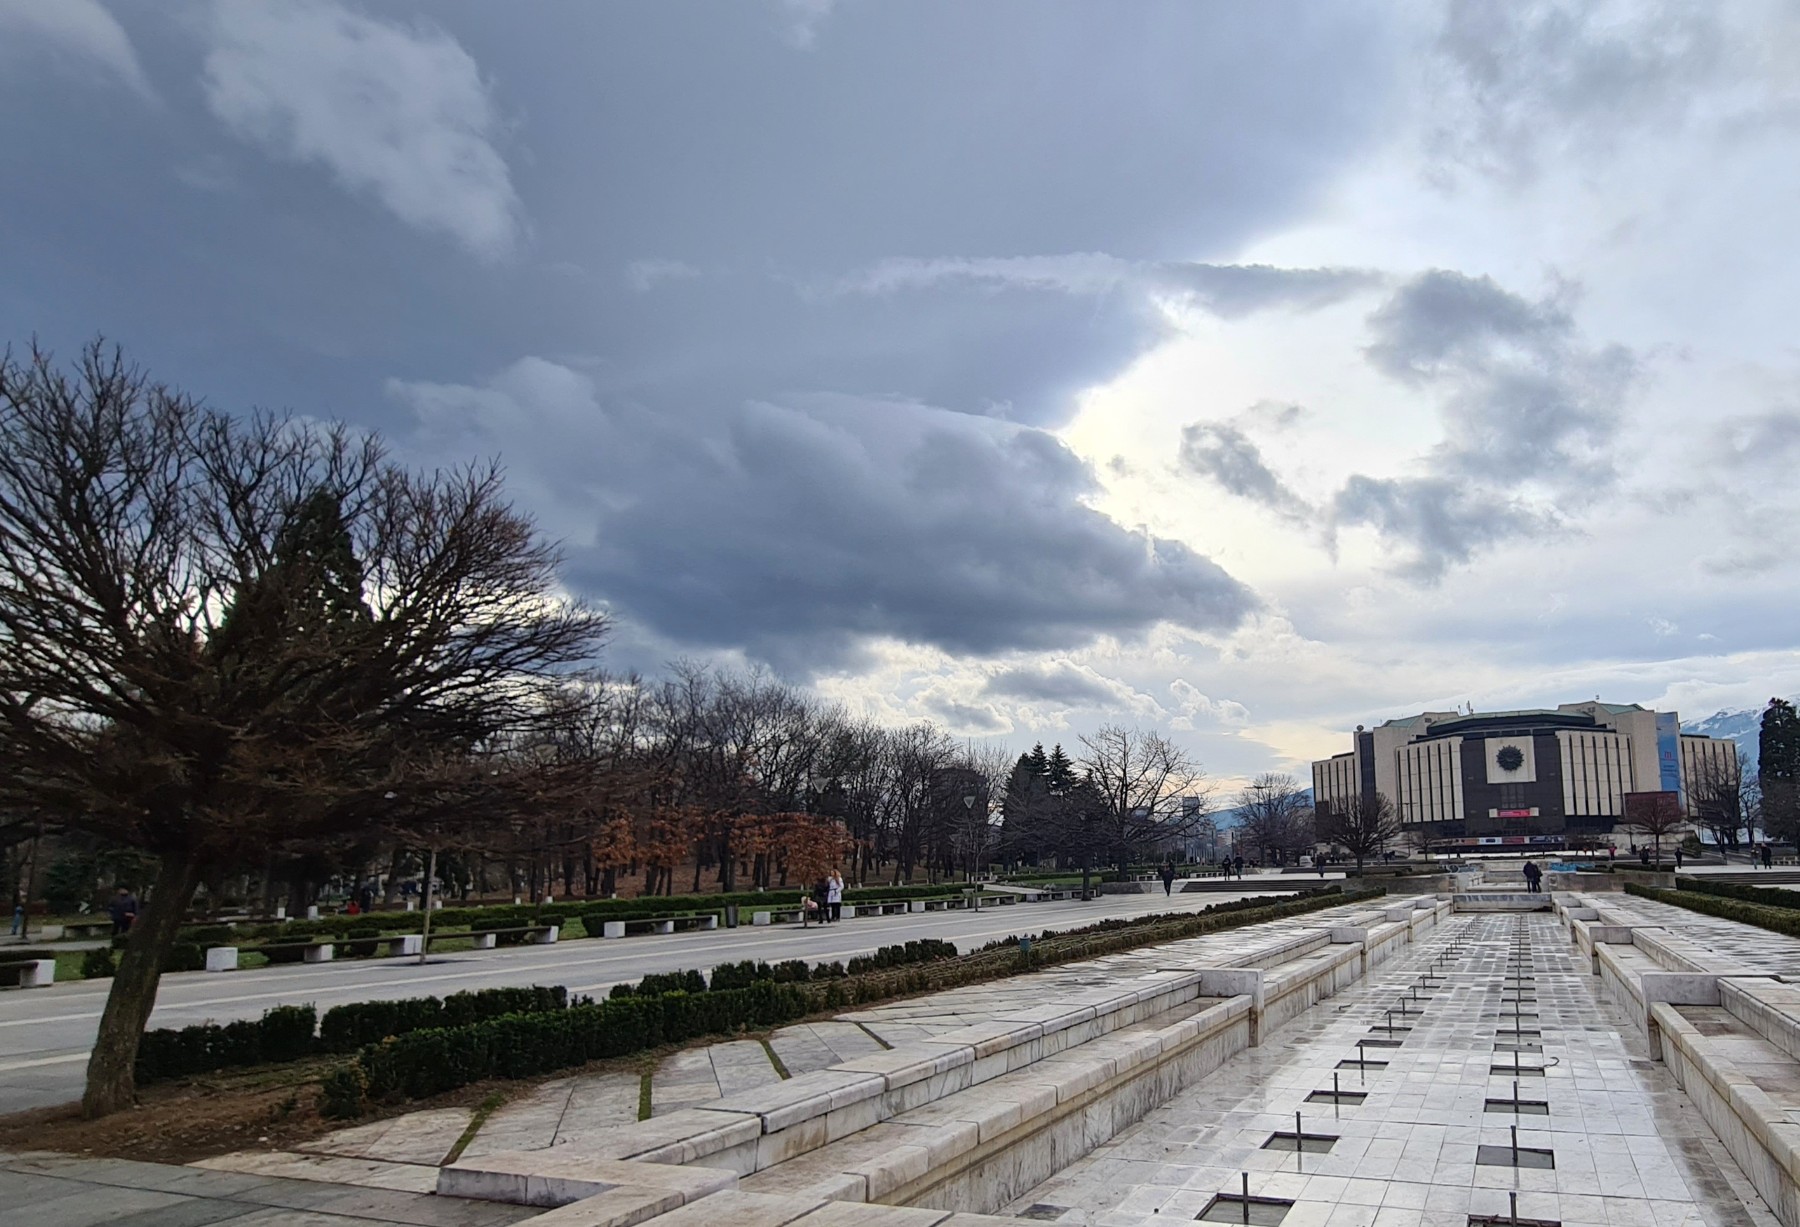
(1510, 758)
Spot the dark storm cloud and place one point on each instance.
(1059, 683)
(1443, 522)
(653, 195)
(1530, 412)
(798, 530)
(1226, 455)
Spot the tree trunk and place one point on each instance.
(111, 1071)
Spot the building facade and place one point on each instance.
(1553, 777)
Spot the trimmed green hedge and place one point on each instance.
(1768, 896)
(1775, 919)
(429, 1062)
(346, 1028)
(284, 1033)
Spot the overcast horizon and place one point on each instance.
(1247, 372)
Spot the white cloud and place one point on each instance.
(83, 29)
(803, 20)
(397, 112)
(644, 275)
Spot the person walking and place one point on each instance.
(1768, 856)
(1238, 864)
(1533, 876)
(1168, 878)
(1678, 858)
(123, 909)
(834, 896)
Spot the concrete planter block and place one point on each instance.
(281, 911)
(312, 911)
(759, 918)
(709, 921)
(548, 936)
(409, 943)
(412, 905)
(484, 941)
(665, 926)
(915, 905)
(849, 911)
(38, 973)
(222, 958)
(612, 928)
(320, 954)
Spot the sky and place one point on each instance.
(1242, 371)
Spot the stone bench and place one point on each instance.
(659, 924)
(487, 939)
(312, 951)
(28, 973)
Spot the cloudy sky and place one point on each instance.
(1249, 371)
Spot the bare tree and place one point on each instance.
(1655, 815)
(1717, 796)
(1273, 816)
(224, 638)
(1141, 779)
(1363, 826)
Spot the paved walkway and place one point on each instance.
(1428, 1146)
(48, 1190)
(45, 1033)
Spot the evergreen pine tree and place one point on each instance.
(1778, 753)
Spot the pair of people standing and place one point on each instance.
(828, 897)
(1534, 876)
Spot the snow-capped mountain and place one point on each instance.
(1739, 726)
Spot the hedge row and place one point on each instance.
(284, 1033)
(346, 1028)
(1768, 896)
(425, 1063)
(429, 1062)
(1775, 919)
(287, 1033)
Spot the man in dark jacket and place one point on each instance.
(123, 910)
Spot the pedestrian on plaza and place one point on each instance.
(123, 910)
(1319, 863)
(1168, 878)
(1238, 864)
(821, 895)
(1644, 855)
(834, 895)
(1678, 858)
(1533, 876)
(1768, 856)
(1612, 854)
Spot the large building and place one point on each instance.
(1545, 777)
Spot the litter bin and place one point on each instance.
(731, 921)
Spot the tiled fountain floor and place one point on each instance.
(1629, 1150)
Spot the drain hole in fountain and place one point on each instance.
(1338, 1097)
(1305, 1143)
(1256, 1211)
(1507, 1156)
(1520, 1107)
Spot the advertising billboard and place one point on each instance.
(1668, 751)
